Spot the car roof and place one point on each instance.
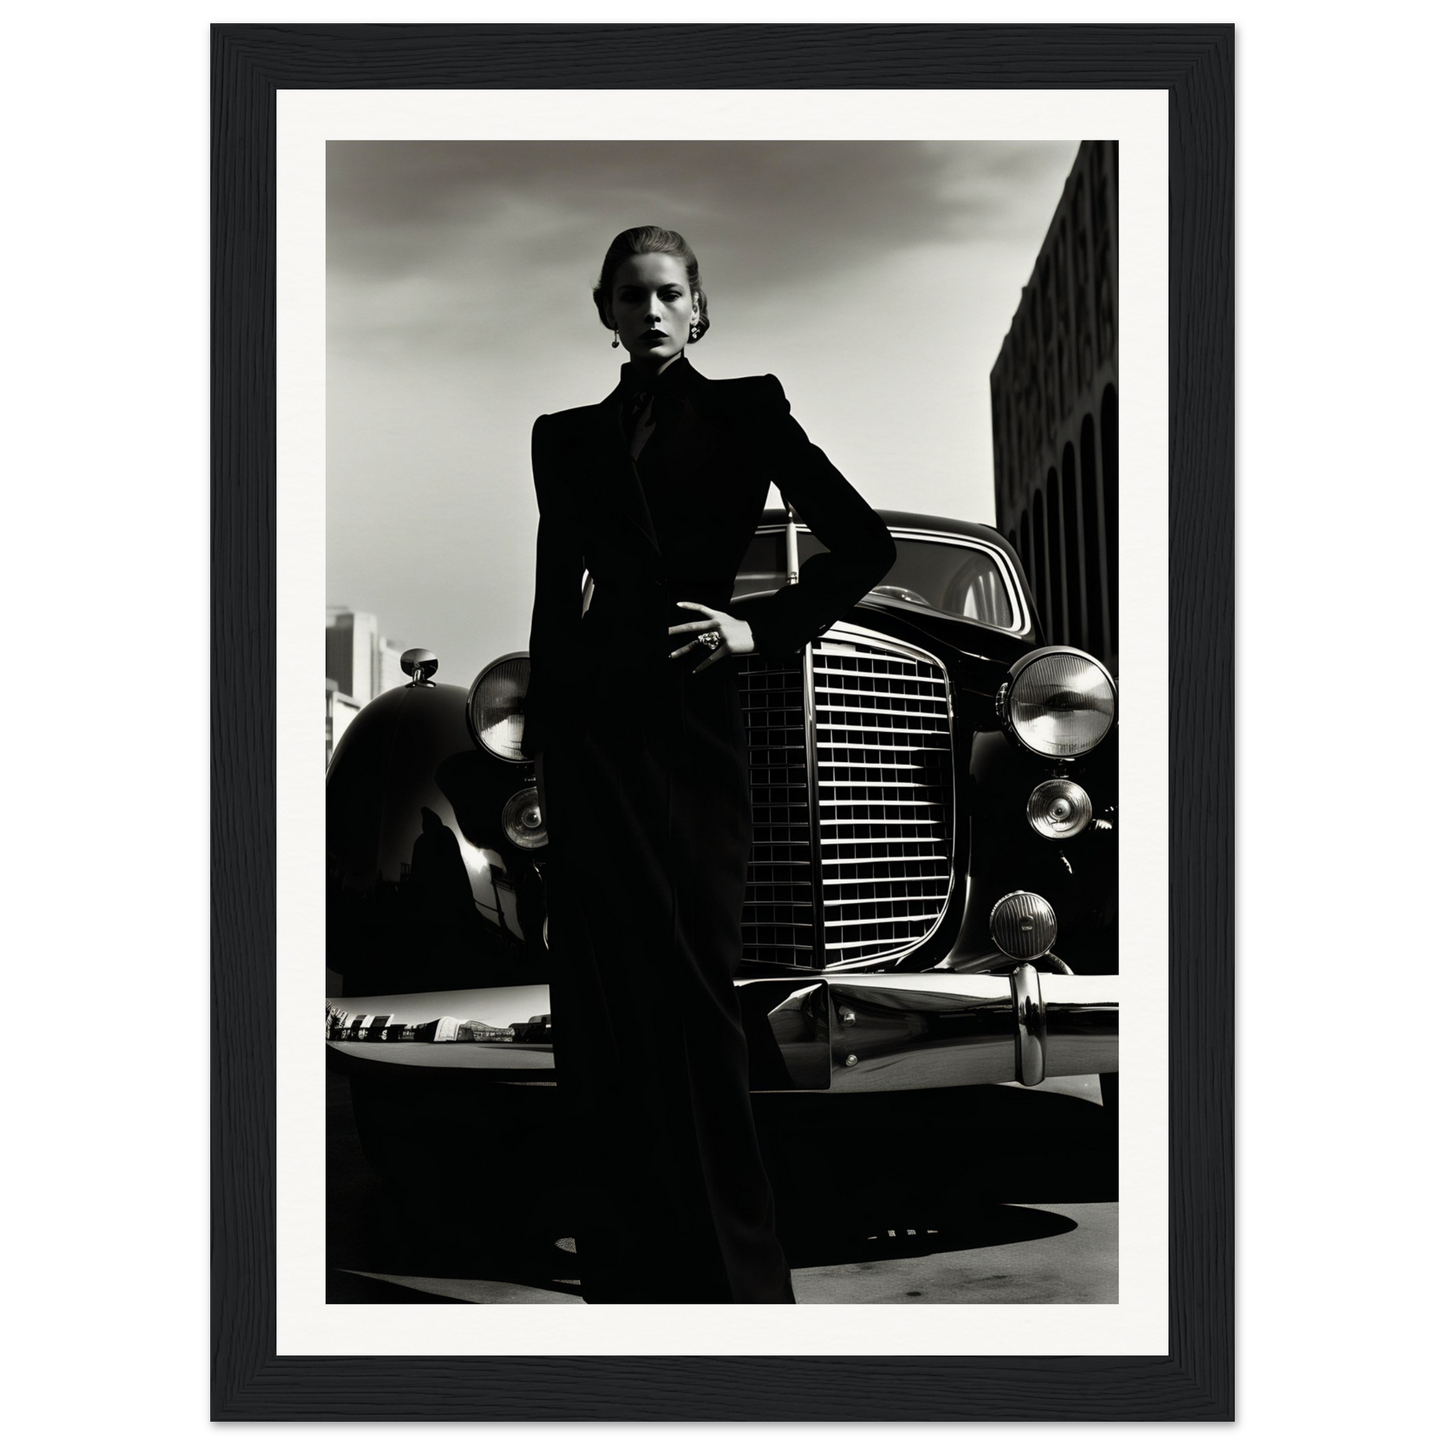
(904, 521)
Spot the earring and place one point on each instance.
(694, 332)
(615, 341)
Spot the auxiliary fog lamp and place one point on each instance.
(1023, 925)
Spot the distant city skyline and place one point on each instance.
(876, 279)
(360, 665)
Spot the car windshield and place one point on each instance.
(955, 578)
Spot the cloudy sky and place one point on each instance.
(875, 279)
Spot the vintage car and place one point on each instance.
(929, 980)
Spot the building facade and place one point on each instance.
(1055, 391)
(360, 665)
(340, 709)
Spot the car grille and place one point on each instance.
(851, 771)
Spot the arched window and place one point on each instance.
(1058, 563)
(1041, 564)
(1109, 447)
(1072, 554)
(1093, 555)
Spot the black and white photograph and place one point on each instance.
(722, 637)
(724, 675)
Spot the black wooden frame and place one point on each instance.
(1194, 1381)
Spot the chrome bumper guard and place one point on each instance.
(860, 1033)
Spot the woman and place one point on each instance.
(634, 719)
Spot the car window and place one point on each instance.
(954, 578)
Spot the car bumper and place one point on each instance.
(859, 1033)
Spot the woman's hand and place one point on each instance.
(737, 635)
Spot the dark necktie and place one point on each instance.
(632, 416)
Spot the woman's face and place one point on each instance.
(652, 306)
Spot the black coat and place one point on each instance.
(648, 813)
(591, 508)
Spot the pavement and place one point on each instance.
(965, 1252)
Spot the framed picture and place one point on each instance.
(992, 1079)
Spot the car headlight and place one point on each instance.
(494, 706)
(522, 820)
(1058, 702)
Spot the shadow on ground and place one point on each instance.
(418, 1237)
(418, 1228)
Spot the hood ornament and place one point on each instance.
(418, 663)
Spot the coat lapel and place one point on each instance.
(621, 486)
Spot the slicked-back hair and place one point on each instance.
(642, 241)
